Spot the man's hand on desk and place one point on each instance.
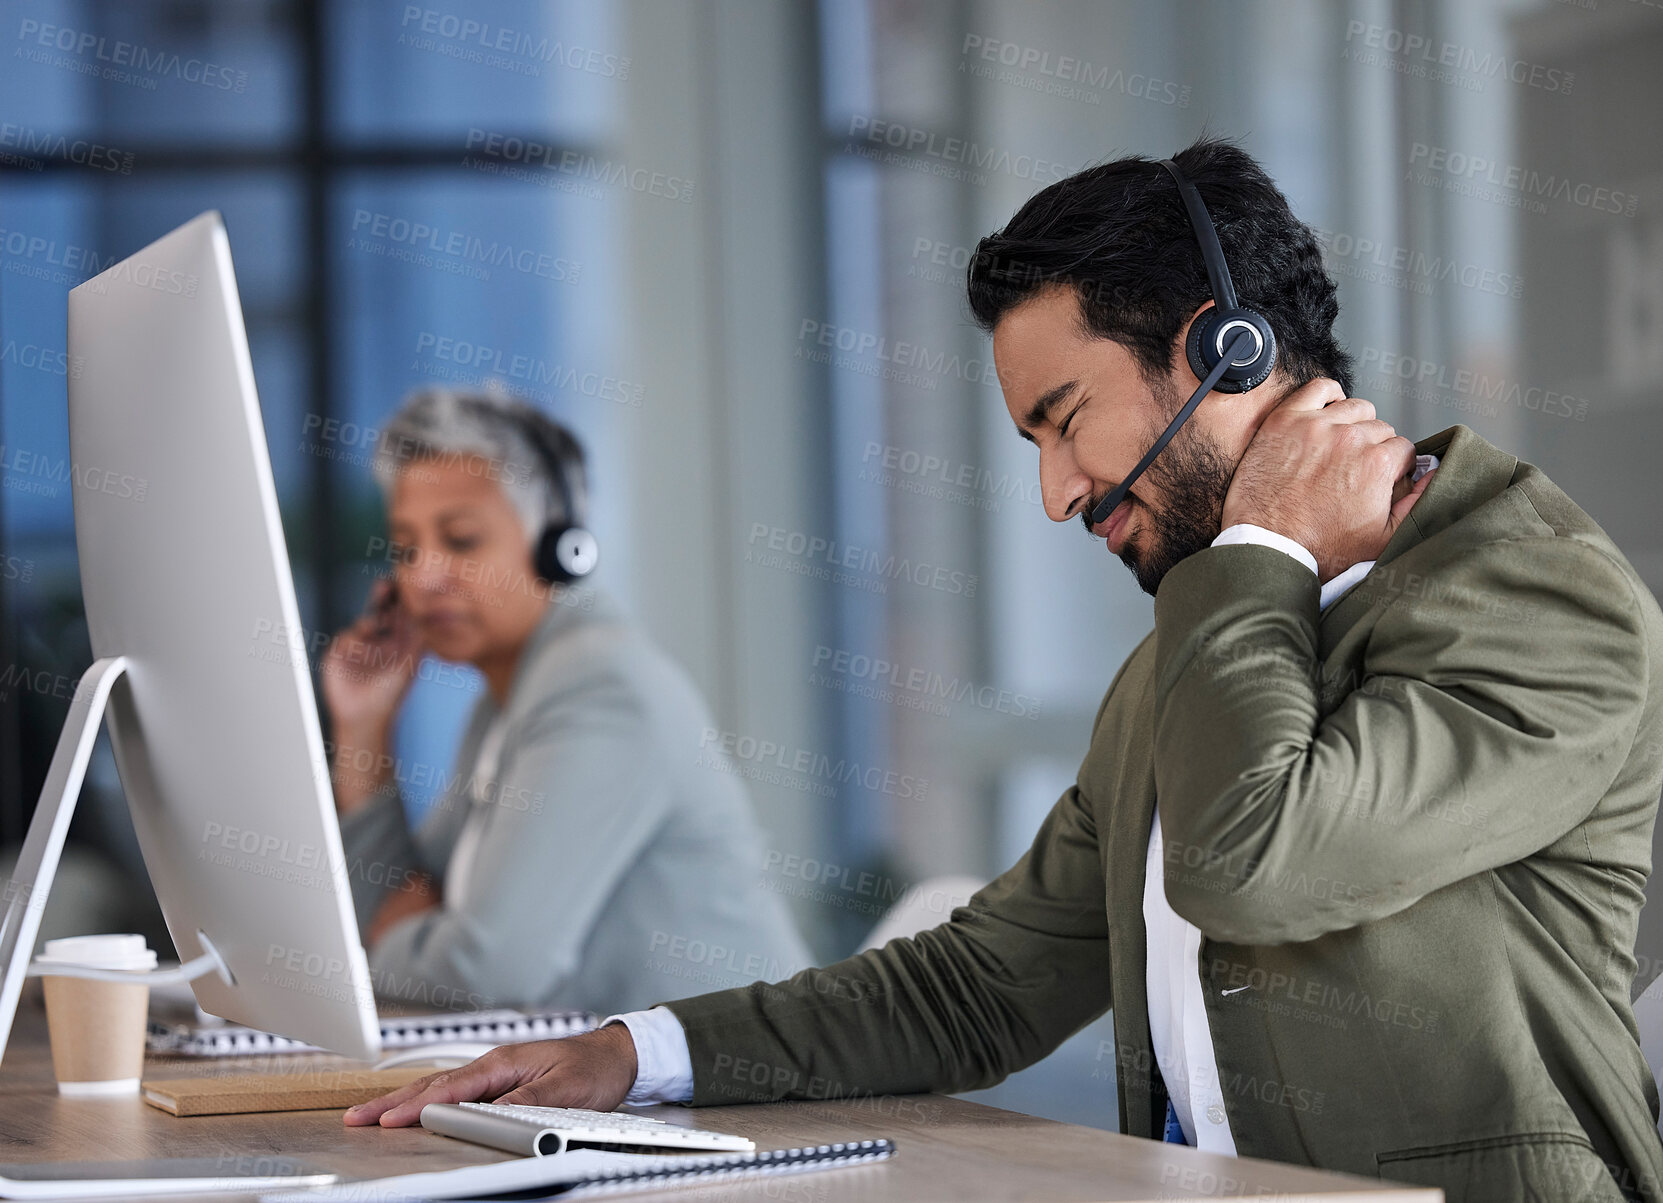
(1328, 474)
(593, 1071)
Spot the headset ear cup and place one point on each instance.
(578, 552)
(1192, 347)
(545, 559)
(566, 554)
(1200, 348)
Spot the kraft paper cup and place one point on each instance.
(97, 1029)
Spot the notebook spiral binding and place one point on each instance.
(723, 1165)
(503, 1027)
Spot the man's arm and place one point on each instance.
(1010, 976)
(1499, 702)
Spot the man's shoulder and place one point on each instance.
(1493, 511)
(1488, 493)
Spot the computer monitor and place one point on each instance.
(200, 656)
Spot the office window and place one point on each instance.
(334, 139)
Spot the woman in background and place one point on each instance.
(585, 854)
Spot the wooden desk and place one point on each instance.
(948, 1149)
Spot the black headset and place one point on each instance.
(1230, 348)
(565, 551)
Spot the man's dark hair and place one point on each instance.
(1118, 234)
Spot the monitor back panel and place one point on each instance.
(185, 572)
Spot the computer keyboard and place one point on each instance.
(607, 1124)
(549, 1130)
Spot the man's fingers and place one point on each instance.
(1350, 409)
(368, 1113)
(1314, 395)
(478, 1079)
(1402, 506)
(1378, 430)
(1401, 452)
(458, 1086)
(541, 1093)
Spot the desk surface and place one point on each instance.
(948, 1149)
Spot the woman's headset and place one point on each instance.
(1230, 348)
(565, 551)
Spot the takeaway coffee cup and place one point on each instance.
(97, 1028)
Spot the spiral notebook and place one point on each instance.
(590, 1172)
(404, 1031)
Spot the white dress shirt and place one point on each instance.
(1177, 1004)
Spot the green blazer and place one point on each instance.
(1413, 828)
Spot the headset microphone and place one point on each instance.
(1229, 347)
(1104, 508)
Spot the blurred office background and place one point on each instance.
(749, 221)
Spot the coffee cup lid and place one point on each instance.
(102, 952)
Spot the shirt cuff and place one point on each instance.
(1246, 532)
(663, 1064)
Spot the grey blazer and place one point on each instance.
(605, 866)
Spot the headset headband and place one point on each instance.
(1212, 254)
(530, 422)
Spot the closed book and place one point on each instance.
(315, 1090)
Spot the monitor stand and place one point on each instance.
(24, 896)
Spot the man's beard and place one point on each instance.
(1193, 473)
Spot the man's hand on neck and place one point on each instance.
(1325, 472)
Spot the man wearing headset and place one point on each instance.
(1358, 849)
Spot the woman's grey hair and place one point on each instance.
(494, 435)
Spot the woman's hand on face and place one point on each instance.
(370, 664)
